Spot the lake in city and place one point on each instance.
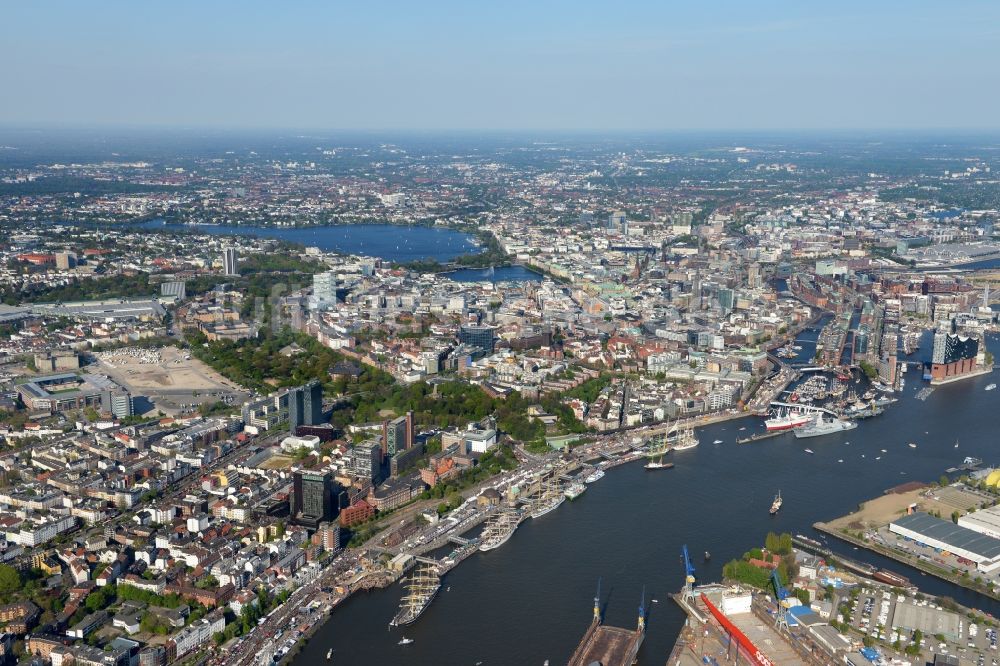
(501, 274)
(388, 241)
(531, 599)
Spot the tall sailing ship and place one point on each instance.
(683, 438)
(658, 447)
(776, 504)
(499, 528)
(421, 588)
(550, 498)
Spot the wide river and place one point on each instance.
(530, 600)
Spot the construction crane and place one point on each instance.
(597, 603)
(642, 612)
(782, 596)
(688, 575)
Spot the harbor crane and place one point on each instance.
(597, 603)
(642, 612)
(688, 575)
(782, 596)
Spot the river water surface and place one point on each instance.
(531, 599)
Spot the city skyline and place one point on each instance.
(452, 67)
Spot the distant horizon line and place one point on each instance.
(261, 129)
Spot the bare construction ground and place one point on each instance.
(881, 511)
(176, 370)
(169, 377)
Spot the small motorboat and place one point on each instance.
(912, 445)
(405, 641)
(718, 441)
(809, 451)
(840, 460)
(329, 654)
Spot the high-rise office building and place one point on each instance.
(305, 405)
(478, 336)
(229, 261)
(65, 260)
(328, 536)
(312, 498)
(324, 290)
(398, 434)
(726, 299)
(862, 340)
(753, 276)
(365, 460)
(617, 221)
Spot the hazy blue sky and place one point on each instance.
(749, 64)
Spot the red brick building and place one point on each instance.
(358, 512)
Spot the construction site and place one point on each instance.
(168, 377)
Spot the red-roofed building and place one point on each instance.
(37, 259)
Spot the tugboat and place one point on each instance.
(776, 504)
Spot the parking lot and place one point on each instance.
(890, 617)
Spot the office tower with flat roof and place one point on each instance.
(312, 498)
(65, 260)
(618, 222)
(398, 434)
(365, 460)
(324, 290)
(305, 405)
(478, 336)
(229, 261)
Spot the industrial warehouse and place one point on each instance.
(981, 549)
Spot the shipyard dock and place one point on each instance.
(745, 633)
(607, 645)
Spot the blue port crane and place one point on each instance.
(597, 603)
(781, 596)
(642, 612)
(688, 575)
